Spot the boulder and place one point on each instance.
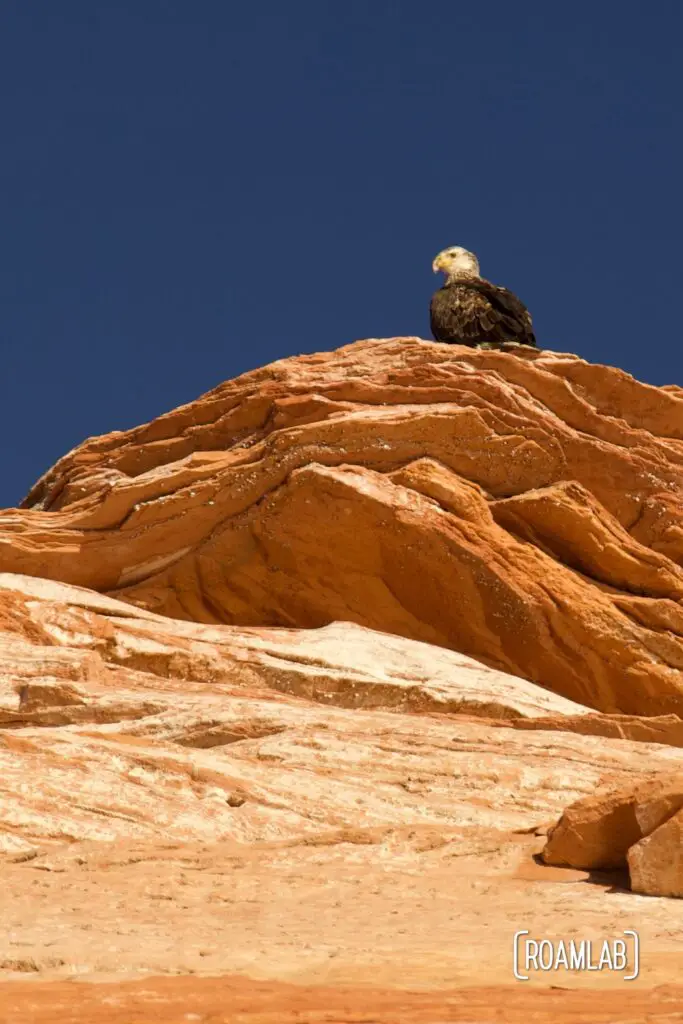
(655, 863)
(597, 832)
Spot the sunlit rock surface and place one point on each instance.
(296, 679)
(523, 509)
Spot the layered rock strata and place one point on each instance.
(298, 681)
(521, 508)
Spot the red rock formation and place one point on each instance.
(295, 679)
(523, 509)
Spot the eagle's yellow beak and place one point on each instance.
(437, 265)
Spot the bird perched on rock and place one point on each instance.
(469, 310)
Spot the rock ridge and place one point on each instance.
(523, 509)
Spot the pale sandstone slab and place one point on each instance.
(284, 803)
(342, 663)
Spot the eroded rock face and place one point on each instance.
(295, 680)
(523, 509)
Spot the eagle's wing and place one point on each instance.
(460, 315)
(504, 313)
(476, 312)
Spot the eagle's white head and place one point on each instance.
(456, 262)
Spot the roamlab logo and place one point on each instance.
(618, 955)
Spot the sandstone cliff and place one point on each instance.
(295, 678)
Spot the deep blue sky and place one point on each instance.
(192, 189)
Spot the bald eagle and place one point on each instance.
(468, 310)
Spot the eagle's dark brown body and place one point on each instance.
(472, 311)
